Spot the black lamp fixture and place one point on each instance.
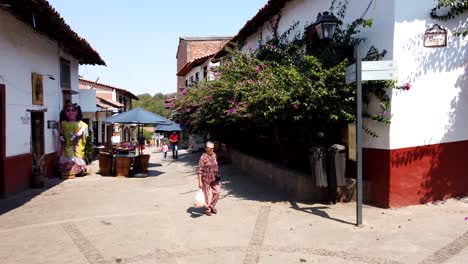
(325, 25)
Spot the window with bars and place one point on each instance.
(205, 73)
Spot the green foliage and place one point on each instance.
(279, 85)
(147, 134)
(154, 103)
(89, 147)
(452, 8)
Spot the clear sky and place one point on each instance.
(138, 39)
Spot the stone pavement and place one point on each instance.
(98, 219)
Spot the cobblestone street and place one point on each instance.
(98, 219)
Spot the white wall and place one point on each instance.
(435, 110)
(87, 100)
(23, 51)
(193, 71)
(199, 69)
(211, 76)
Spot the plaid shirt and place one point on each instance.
(208, 167)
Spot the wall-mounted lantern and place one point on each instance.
(325, 25)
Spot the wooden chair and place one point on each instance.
(141, 164)
(105, 163)
(122, 166)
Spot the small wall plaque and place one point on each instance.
(435, 37)
(51, 124)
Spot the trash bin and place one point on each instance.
(318, 165)
(336, 175)
(337, 158)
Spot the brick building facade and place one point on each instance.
(191, 48)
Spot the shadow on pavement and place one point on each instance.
(318, 211)
(195, 212)
(19, 199)
(154, 173)
(152, 164)
(238, 184)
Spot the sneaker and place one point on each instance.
(208, 212)
(214, 211)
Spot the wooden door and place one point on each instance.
(2, 139)
(37, 134)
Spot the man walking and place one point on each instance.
(174, 139)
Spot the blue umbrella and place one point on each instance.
(168, 128)
(138, 116)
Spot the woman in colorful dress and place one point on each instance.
(73, 133)
(207, 171)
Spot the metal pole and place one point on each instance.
(359, 139)
(138, 139)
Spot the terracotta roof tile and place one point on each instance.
(84, 83)
(270, 9)
(49, 22)
(109, 102)
(189, 66)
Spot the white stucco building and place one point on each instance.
(39, 60)
(414, 159)
(108, 100)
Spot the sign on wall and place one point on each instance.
(37, 89)
(435, 37)
(372, 71)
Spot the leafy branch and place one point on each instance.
(452, 8)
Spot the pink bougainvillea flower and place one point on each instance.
(231, 111)
(406, 86)
(258, 69)
(296, 106)
(184, 92)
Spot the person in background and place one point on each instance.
(142, 143)
(164, 148)
(174, 139)
(207, 171)
(72, 142)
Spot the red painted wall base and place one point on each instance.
(416, 175)
(17, 173)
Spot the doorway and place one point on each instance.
(109, 134)
(37, 135)
(2, 140)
